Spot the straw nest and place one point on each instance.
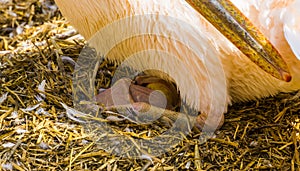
(38, 47)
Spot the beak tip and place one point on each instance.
(286, 76)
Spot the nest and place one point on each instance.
(38, 48)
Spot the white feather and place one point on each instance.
(292, 27)
(293, 39)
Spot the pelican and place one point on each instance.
(209, 70)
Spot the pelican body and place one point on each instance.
(209, 71)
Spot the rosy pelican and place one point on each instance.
(209, 71)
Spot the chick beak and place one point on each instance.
(230, 21)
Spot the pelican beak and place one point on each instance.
(230, 21)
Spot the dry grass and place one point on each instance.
(36, 134)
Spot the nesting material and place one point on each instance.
(37, 53)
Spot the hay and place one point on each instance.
(36, 134)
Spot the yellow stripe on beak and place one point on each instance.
(230, 21)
